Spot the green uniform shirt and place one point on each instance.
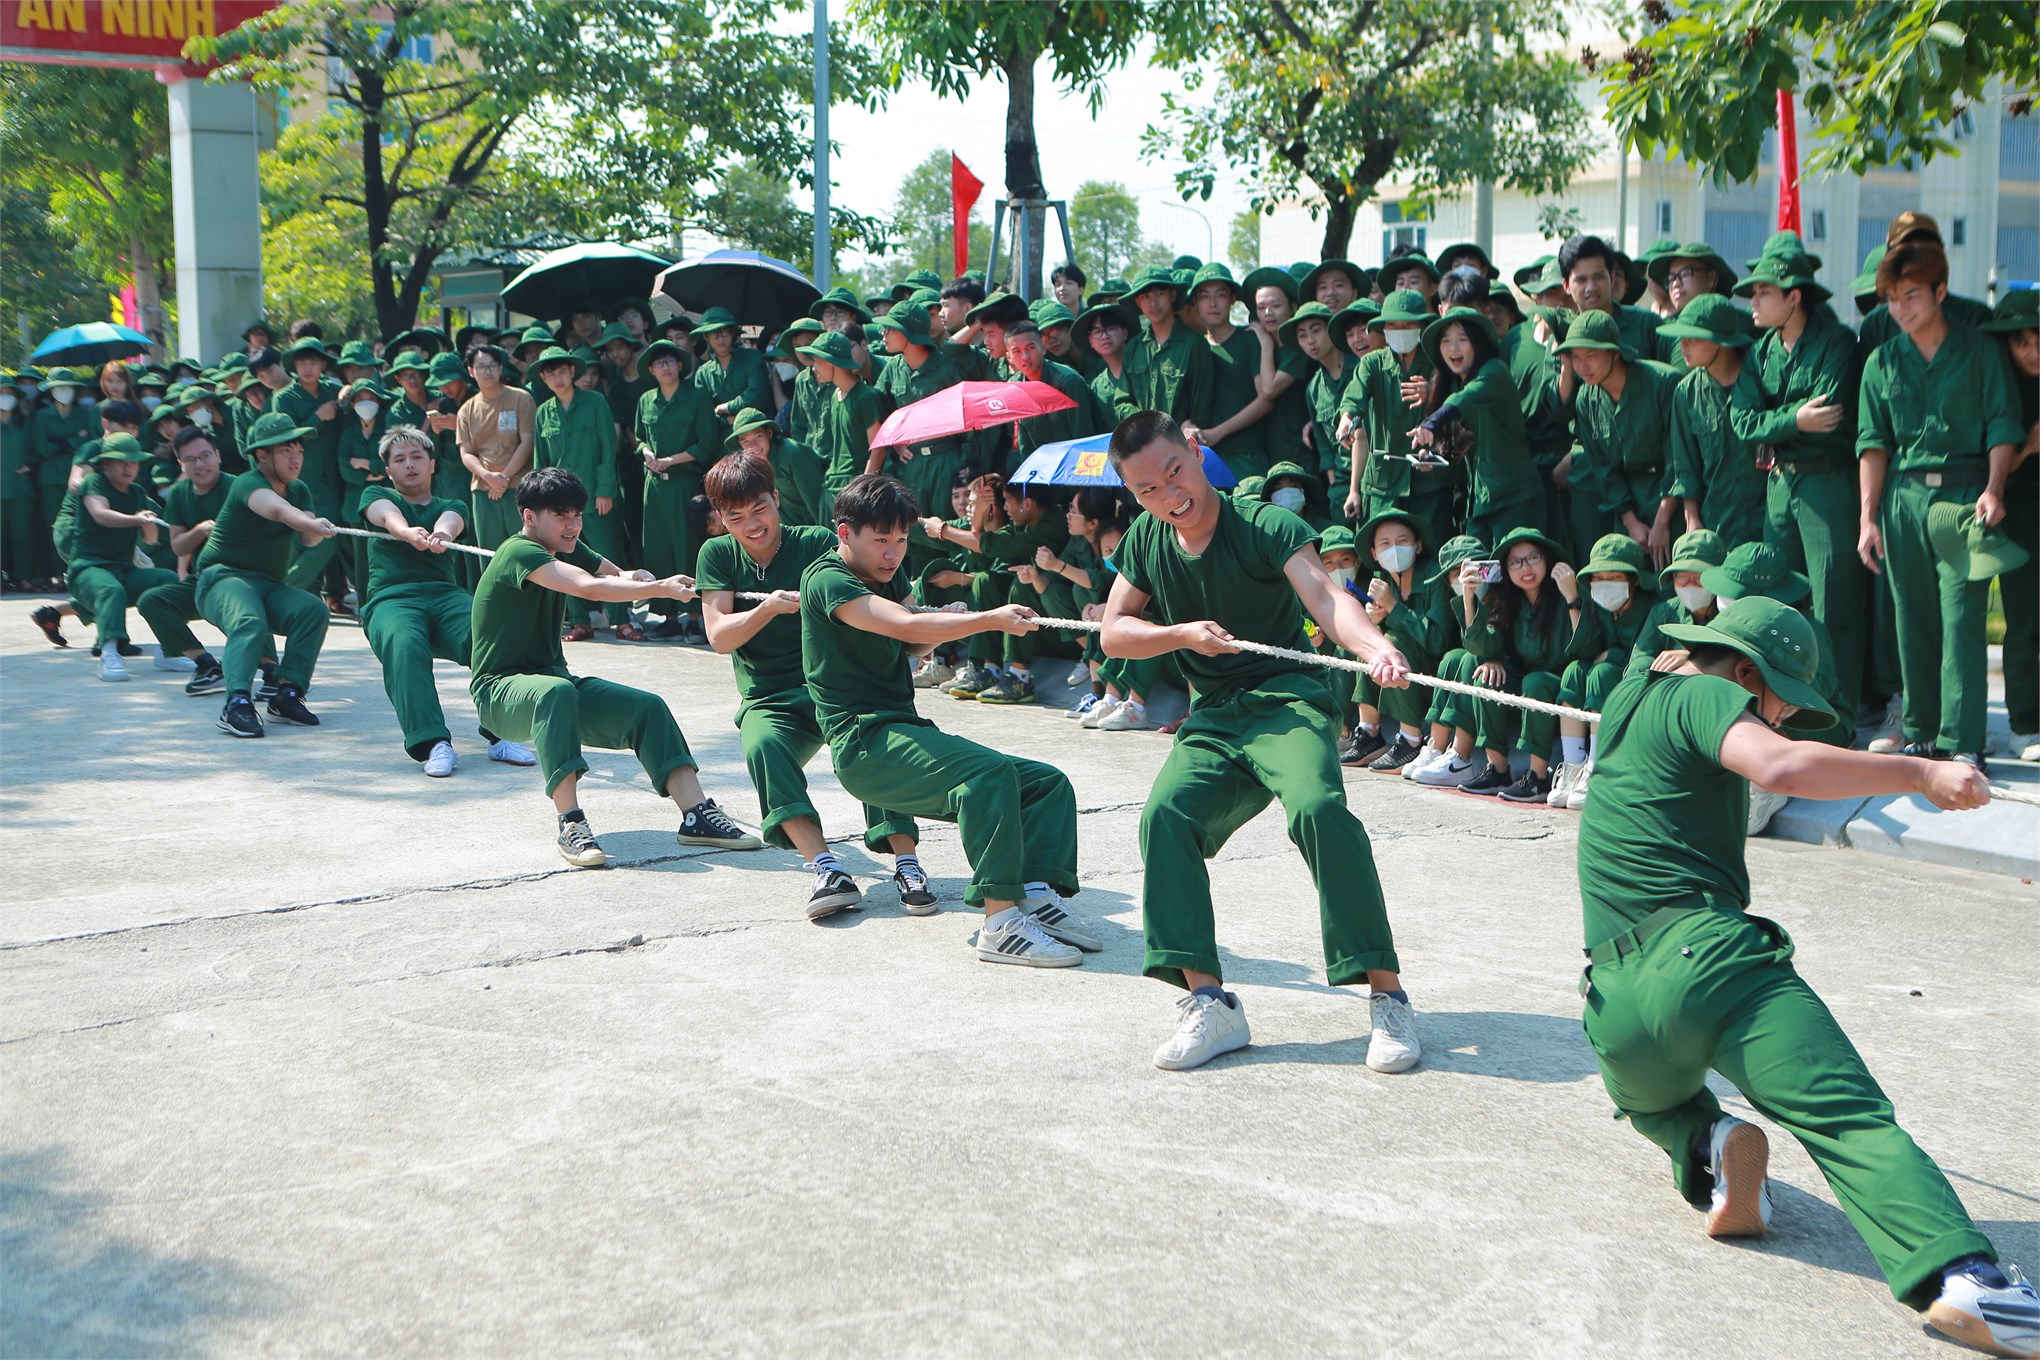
(1416, 623)
(1113, 393)
(1237, 582)
(392, 564)
(745, 380)
(58, 435)
(1084, 419)
(1526, 648)
(1823, 364)
(356, 442)
(1014, 544)
(846, 446)
(1670, 355)
(1323, 394)
(1710, 463)
(322, 450)
(1622, 444)
(1283, 436)
(1603, 630)
(1499, 469)
(1638, 327)
(1177, 376)
(100, 545)
(903, 385)
(851, 673)
(625, 394)
(582, 439)
(241, 413)
(517, 624)
(682, 423)
(17, 455)
(1666, 821)
(1547, 424)
(970, 360)
(1235, 367)
(1374, 399)
(185, 507)
(246, 541)
(1941, 415)
(770, 663)
(808, 406)
(797, 473)
(1651, 639)
(1878, 327)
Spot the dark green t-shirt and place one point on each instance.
(1236, 582)
(392, 564)
(1666, 821)
(100, 545)
(517, 624)
(846, 435)
(851, 672)
(186, 507)
(244, 540)
(770, 662)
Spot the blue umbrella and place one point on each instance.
(758, 289)
(95, 342)
(1082, 462)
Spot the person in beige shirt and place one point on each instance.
(494, 431)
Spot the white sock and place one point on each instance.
(1593, 747)
(826, 862)
(1035, 890)
(1135, 704)
(1575, 749)
(998, 920)
(1371, 729)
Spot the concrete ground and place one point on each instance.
(304, 1053)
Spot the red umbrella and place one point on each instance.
(969, 406)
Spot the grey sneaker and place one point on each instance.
(1048, 911)
(579, 848)
(969, 681)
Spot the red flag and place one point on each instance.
(1788, 165)
(964, 188)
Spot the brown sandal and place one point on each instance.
(580, 632)
(630, 632)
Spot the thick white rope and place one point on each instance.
(371, 533)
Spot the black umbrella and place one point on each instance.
(594, 272)
(757, 289)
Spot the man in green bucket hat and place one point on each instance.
(1622, 417)
(1683, 273)
(1758, 569)
(1309, 332)
(808, 400)
(733, 375)
(1055, 321)
(1237, 433)
(796, 468)
(855, 412)
(1376, 416)
(576, 431)
(1587, 266)
(839, 310)
(1683, 979)
(1168, 366)
(1335, 284)
(1713, 470)
(312, 401)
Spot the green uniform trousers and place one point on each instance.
(1133, 678)
(2019, 591)
(318, 567)
(408, 627)
(1939, 613)
(1499, 727)
(104, 593)
(1717, 989)
(1017, 817)
(492, 521)
(557, 713)
(1585, 684)
(251, 609)
(17, 537)
(990, 590)
(1811, 516)
(1230, 760)
(671, 547)
(1587, 520)
(780, 736)
(48, 501)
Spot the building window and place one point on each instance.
(1816, 224)
(1958, 232)
(2019, 148)
(2018, 251)
(1737, 235)
(1664, 218)
(1399, 231)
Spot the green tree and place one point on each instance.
(96, 145)
(1881, 83)
(917, 235)
(1105, 225)
(1323, 99)
(467, 119)
(752, 210)
(42, 285)
(1243, 240)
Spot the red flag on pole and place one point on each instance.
(964, 188)
(1788, 165)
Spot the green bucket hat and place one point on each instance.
(1696, 550)
(272, 429)
(1451, 257)
(407, 362)
(1359, 312)
(1664, 245)
(1087, 321)
(1109, 290)
(150, 378)
(1250, 487)
(237, 362)
(1153, 276)
(1363, 280)
(1960, 539)
(915, 282)
(1780, 641)
(911, 321)
(924, 297)
(555, 355)
(304, 347)
(169, 410)
(1659, 267)
(448, 368)
(1470, 317)
(1456, 553)
(1787, 269)
(2018, 310)
(368, 387)
(1268, 276)
(429, 336)
(1214, 273)
(1365, 533)
(719, 318)
(1708, 317)
(841, 297)
(664, 349)
(1594, 330)
(616, 330)
(1865, 286)
(358, 354)
(60, 377)
(1546, 278)
(1786, 240)
(1756, 569)
(9, 383)
(832, 348)
(1312, 311)
(1552, 552)
(534, 335)
(1338, 538)
(1403, 307)
(747, 420)
(1529, 274)
(124, 448)
(1617, 552)
(806, 325)
(1409, 259)
(1189, 262)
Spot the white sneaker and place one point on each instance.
(1764, 805)
(2014, 745)
(934, 674)
(511, 752)
(1561, 783)
(1100, 711)
(2031, 752)
(174, 663)
(1020, 939)
(1576, 797)
(1889, 738)
(1738, 1156)
(1451, 770)
(1426, 758)
(1049, 912)
(1126, 717)
(1083, 705)
(2001, 1319)
(440, 760)
(1393, 1046)
(1205, 1027)
(111, 667)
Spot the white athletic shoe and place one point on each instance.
(1889, 736)
(173, 663)
(2002, 1319)
(1084, 705)
(1205, 1028)
(1393, 1046)
(2031, 752)
(1126, 717)
(1100, 711)
(2014, 745)
(1576, 797)
(1426, 758)
(1562, 780)
(934, 674)
(111, 667)
(1050, 914)
(440, 760)
(1738, 1157)
(1764, 805)
(1020, 939)
(1452, 770)
(511, 752)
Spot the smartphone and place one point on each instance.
(1487, 569)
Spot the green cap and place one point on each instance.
(1466, 252)
(1408, 259)
(534, 335)
(1359, 312)
(407, 362)
(748, 419)
(1696, 550)
(911, 321)
(1189, 262)
(1865, 286)
(1470, 317)
(2018, 310)
(1787, 269)
(1785, 240)
(259, 324)
(1528, 275)
(423, 336)
(1779, 641)
(1363, 281)
(1213, 273)
(1153, 276)
(664, 349)
(1708, 317)
(840, 297)
(368, 387)
(806, 325)
(237, 362)
(719, 318)
(61, 377)
(915, 282)
(834, 349)
(1456, 553)
(1268, 276)
(358, 354)
(151, 378)
(448, 368)
(1594, 330)
(307, 346)
(1312, 311)
(274, 428)
(616, 330)
(1756, 569)
(1000, 309)
(1365, 533)
(1664, 245)
(1659, 267)
(1087, 321)
(124, 447)
(554, 355)
(1547, 278)
(1552, 552)
(642, 306)
(1250, 487)
(1110, 289)
(1617, 552)
(1338, 538)
(1960, 539)
(1403, 307)
(1047, 312)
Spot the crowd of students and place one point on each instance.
(1526, 500)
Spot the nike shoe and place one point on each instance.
(1489, 781)
(1396, 758)
(289, 706)
(1583, 783)
(239, 718)
(1206, 1026)
(511, 752)
(1531, 788)
(1452, 770)
(1363, 747)
(1427, 756)
(209, 679)
(181, 664)
(111, 667)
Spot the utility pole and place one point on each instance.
(822, 236)
(1484, 188)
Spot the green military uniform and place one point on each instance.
(2019, 588)
(1619, 448)
(524, 693)
(581, 437)
(1006, 547)
(776, 716)
(846, 443)
(57, 435)
(185, 508)
(927, 469)
(1415, 621)
(1260, 728)
(1709, 462)
(1017, 818)
(1235, 372)
(1323, 393)
(18, 504)
(1535, 656)
(1607, 638)
(103, 576)
(242, 590)
(1547, 422)
(414, 611)
(1503, 491)
(363, 444)
(309, 568)
(743, 380)
(665, 426)
(797, 473)
(1177, 375)
(1937, 420)
(1389, 482)
(1878, 328)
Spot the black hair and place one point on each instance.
(1068, 271)
(1707, 655)
(264, 357)
(191, 434)
(1139, 430)
(876, 501)
(306, 328)
(120, 411)
(1445, 382)
(1102, 506)
(585, 305)
(1579, 248)
(1019, 328)
(555, 489)
(1465, 286)
(970, 290)
(1006, 311)
(1507, 599)
(964, 476)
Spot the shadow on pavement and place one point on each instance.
(1510, 1045)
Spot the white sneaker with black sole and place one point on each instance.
(1020, 939)
(834, 891)
(1392, 1044)
(2003, 1319)
(1049, 912)
(1206, 1026)
(440, 761)
(1738, 1157)
(707, 824)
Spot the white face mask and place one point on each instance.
(64, 396)
(1398, 557)
(1609, 594)
(151, 403)
(1289, 498)
(1695, 598)
(1342, 576)
(202, 416)
(366, 409)
(8, 401)
(786, 372)
(1402, 342)
(1723, 601)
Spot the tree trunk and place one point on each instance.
(376, 206)
(148, 296)
(1023, 168)
(1339, 214)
